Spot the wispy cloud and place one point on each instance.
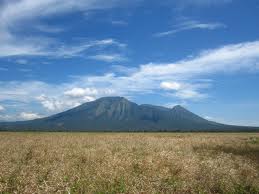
(29, 116)
(184, 90)
(1, 108)
(81, 48)
(20, 116)
(119, 23)
(108, 57)
(171, 85)
(24, 70)
(182, 80)
(53, 104)
(15, 14)
(52, 48)
(49, 29)
(181, 4)
(25, 12)
(190, 25)
(125, 70)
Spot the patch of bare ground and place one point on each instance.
(129, 163)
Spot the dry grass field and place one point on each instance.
(129, 163)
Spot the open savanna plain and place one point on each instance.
(129, 163)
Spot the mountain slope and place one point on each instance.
(119, 114)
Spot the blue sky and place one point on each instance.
(202, 54)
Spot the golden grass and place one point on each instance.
(129, 163)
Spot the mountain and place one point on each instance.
(120, 114)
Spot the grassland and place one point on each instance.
(129, 163)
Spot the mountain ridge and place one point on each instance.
(120, 114)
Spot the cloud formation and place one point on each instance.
(108, 57)
(81, 92)
(199, 3)
(191, 25)
(1, 108)
(21, 14)
(181, 79)
(13, 14)
(29, 116)
(170, 85)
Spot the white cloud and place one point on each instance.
(14, 14)
(190, 25)
(24, 91)
(110, 41)
(20, 116)
(1, 108)
(71, 96)
(189, 94)
(22, 14)
(52, 48)
(56, 104)
(148, 78)
(75, 92)
(80, 92)
(108, 58)
(77, 50)
(49, 103)
(124, 69)
(59, 103)
(229, 58)
(170, 85)
(182, 80)
(20, 10)
(29, 116)
(185, 90)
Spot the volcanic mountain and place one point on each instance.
(120, 114)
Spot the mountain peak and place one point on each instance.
(178, 107)
(112, 98)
